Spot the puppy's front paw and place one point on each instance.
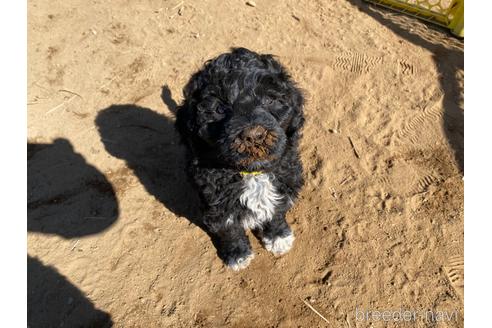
(279, 245)
(239, 261)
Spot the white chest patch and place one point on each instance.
(261, 197)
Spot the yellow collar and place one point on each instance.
(243, 173)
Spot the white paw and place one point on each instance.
(240, 263)
(279, 245)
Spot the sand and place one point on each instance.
(379, 223)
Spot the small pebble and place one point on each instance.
(251, 3)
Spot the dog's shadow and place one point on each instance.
(151, 147)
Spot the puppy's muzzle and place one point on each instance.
(255, 141)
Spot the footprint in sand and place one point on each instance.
(455, 272)
(357, 63)
(406, 68)
(425, 125)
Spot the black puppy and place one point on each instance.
(241, 120)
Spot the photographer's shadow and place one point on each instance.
(150, 146)
(67, 196)
(70, 198)
(53, 301)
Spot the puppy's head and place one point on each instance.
(241, 110)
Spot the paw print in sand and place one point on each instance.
(382, 200)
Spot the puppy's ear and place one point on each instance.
(194, 85)
(185, 115)
(185, 120)
(285, 87)
(297, 121)
(272, 65)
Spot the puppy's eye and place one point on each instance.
(221, 109)
(268, 101)
(202, 107)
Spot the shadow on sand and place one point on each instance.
(70, 198)
(448, 56)
(150, 146)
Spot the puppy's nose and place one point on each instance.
(254, 135)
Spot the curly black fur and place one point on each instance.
(242, 112)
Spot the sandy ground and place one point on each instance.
(379, 223)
